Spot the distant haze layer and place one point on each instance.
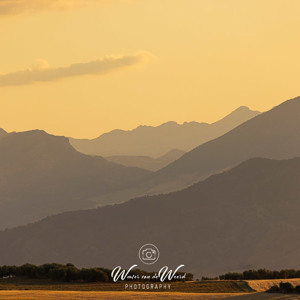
(147, 162)
(157, 141)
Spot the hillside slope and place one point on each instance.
(41, 174)
(244, 218)
(273, 134)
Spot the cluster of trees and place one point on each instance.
(69, 272)
(261, 274)
(284, 287)
(57, 272)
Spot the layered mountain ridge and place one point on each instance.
(42, 174)
(273, 134)
(157, 141)
(247, 217)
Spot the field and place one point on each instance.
(67, 295)
(36, 289)
(187, 287)
(263, 285)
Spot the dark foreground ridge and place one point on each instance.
(248, 216)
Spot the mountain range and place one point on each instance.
(273, 134)
(157, 141)
(244, 216)
(42, 174)
(247, 217)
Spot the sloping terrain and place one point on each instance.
(244, 218)
(273, 134)
(41, 174)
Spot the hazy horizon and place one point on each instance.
(86, 68)
(133, 128)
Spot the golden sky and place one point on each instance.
(83, 67)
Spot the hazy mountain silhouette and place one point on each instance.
(43, 174)
(273, 134)
(147, 162)
(156, 141)
(2, 132)
(247, 217)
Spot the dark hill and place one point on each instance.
(244, 218)
(41, 174)
(273, 134)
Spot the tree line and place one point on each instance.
(285, 288)
(70, 273)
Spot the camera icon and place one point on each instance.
(149, 254)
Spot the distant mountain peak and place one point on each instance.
(155, 141)
(36, 143)
(239, 115)
(242, 108)
(37, 135)
(169, 123)
(273, 134)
